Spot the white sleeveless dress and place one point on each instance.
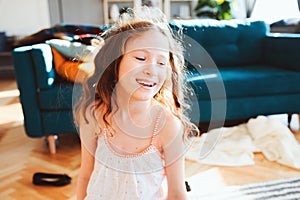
(126, 177)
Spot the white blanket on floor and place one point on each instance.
(275, 141)
(232, 147)
(235, 146)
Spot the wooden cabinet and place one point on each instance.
(6, 65)
(107, 7)
(6, 61)
(172, 8)
(181, 9)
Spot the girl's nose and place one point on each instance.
(150, 69)
(147, 72)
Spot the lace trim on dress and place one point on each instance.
(129, 155)
(152, 146)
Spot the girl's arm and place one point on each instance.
(88, 147)
(173, 148)
(86, 168)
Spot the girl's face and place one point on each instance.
(145, 65)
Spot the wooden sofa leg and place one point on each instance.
(51, 143)
(299, 121)
(289, 120)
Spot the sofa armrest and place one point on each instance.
(25, 78)
(34, 71)
(41, 64)
(282, 50)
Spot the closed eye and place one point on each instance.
(162, 63)
(140, 58)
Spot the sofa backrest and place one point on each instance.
(227, 42)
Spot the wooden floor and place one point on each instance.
(22, 156)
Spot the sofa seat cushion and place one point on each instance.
(247, 81)
(57, 98)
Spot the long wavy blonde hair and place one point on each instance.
(99, 88)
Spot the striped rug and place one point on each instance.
(283, 189)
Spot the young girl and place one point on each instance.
(131, 117)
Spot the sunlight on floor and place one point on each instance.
(12, 114)
(10, 108)
(208, 181)
(9, 93)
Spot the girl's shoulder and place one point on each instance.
(171, 126)
(92, 116)
(167, 119)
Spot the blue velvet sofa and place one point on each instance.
(237, 69)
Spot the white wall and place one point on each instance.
(23, 17)
(275, 10)
(88, 12)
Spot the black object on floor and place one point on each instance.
(188, 188)
(46, 179)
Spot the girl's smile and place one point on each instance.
(147, 84)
